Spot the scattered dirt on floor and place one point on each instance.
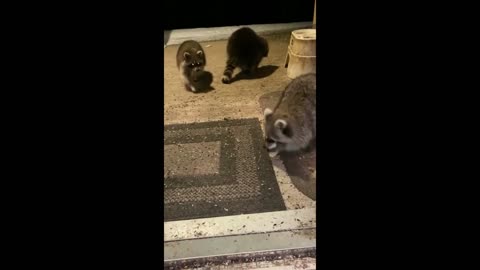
(227, 101)
(266, 260)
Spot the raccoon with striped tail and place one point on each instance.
(191, 61)
(245, 50)
(291, 125)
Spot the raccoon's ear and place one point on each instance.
(284, 127)
(267, 112)
(186, 55)
(281, 124)
(202, 54)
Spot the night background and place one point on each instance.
(198, 14)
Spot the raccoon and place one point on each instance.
(245, 49)
(191, 61)
(291, 125)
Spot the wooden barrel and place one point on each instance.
(302, 53)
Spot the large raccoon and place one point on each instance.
(191, 61)
(245, 49)
(291, 125)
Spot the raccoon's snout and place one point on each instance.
(196, 73)
(270, 144)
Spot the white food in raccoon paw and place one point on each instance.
(271, 146)
(273, 154)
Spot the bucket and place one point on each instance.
(302, 55)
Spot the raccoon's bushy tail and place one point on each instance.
(227, 74)
(205, 80)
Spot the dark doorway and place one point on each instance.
(208, 13)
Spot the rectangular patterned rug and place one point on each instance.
(216, 169)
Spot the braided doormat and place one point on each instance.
(216, 169)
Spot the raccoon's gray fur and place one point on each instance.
(191, 61)
(245, 50)
(291, 125)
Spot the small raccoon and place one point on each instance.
(245, 49)
(291, 125)
(191, 63)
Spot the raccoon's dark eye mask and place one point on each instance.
(268, 140)
(195, 64)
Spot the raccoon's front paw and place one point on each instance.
(273, 154)
(271, 145)
(225, 79)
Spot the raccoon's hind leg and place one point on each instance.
(245, 68)
(252, 68)
(255, 65)
(227, 74)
